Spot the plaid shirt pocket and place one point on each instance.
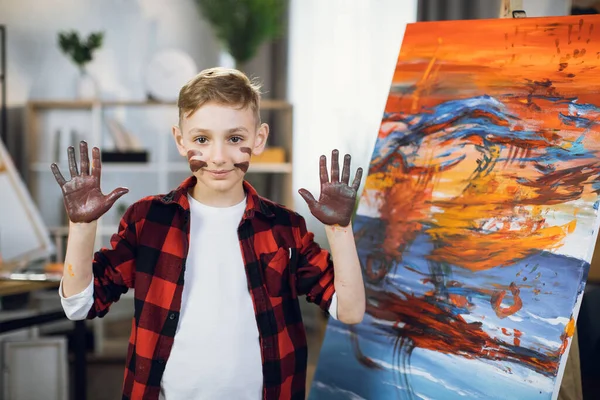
(277, 276)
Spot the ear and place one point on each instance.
(262, 134)
(178, 136)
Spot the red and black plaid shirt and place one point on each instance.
(149, 254)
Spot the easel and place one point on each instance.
(512, 9)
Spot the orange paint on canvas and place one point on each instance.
(513, 51)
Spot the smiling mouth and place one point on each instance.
(220, 172)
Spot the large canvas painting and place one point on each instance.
(478, 219)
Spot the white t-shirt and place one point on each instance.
(216, 349)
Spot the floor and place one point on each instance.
(105, 374)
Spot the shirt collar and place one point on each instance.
(254, 202)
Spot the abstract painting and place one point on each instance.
(478, 219)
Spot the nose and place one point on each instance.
(218, 154)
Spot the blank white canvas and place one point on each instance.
(23, 234)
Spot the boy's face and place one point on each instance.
(218, 141)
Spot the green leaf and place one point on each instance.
(80, 52)
(243, 26)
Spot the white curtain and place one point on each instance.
(342, 55)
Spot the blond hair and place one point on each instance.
(220, 85)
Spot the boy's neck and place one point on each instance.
(213, 198)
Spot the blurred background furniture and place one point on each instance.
(3, 113)
(25, 352)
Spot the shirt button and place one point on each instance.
(172, 316)
(161, 361)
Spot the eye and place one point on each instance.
(236, 139)
(200, 140)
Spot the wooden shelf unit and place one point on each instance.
(265, 105)
(161, 167)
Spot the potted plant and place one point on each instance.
(81, 52)
(242, 26)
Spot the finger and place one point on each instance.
(57, 175)
(335, 166)
(72, 162)
(115, 195)
(323, 170)
(346, 170)
(357, 178)
(85, 159)
(96, 164)
(308, 197)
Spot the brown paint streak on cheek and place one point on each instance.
(70, 269)
(195, 165)
(243, 166)
(246, 150)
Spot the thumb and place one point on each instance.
(308, 197)
(115, 195)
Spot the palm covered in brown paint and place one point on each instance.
(337, 200)
(83, 198)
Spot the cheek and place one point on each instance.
(195, 163)
(243, 166)
(193, 153)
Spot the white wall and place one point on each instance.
(134, 30)
(342, 58)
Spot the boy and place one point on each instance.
(216, 269)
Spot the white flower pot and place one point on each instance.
(87, 89)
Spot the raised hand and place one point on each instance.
(337, 200)
(82, 196)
